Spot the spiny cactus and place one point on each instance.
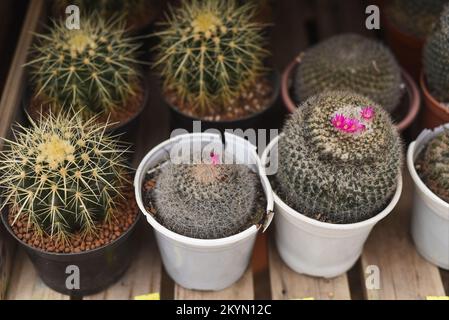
(434, 165)
(436, 58)
(63, 173)
(131, 10)
(350, 62)
(415, 17)
(339, 158)
(93, 68)
(209, 52)
(207, 200)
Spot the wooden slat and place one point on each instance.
(9, 106)
(287, 284)
(144, 275)
(242, 290)
(26, 284)
(404, 274)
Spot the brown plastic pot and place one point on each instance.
(407, 48)
(405, 113)
(434, 114)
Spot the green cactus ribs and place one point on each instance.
(207, 200)
(93, 70)
(339, 158)
(65, 177)
(210, 56)
(433, 165)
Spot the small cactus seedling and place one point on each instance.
(350, 62)
(415, 17)
(207, 200)
(209, 53)
(433, 166)
(93, 68)
(64, 174)
(339, 158)
(436, 58)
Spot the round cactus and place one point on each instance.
(207, 200)
(91, 69)
(350, 62)
(433, 166)
(64, 174)
(339, 158)
(209, 53)
(415, 17)
(436, 58)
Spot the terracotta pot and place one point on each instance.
(435, 114)
(407, 48)
(405, 113)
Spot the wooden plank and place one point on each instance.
(144, 274)
(287, 284)
(404, 274)
(9, 105)
(242, 290)
(26, 284)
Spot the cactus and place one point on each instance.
(209, 53)
(350, 62)
(339, 158)
(206, 200)
(433, 166)
(415, 17)
(93, 69)
(64, 174)
(435, 58)
(131, 10)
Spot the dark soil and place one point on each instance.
(124, 217)
(254, 100)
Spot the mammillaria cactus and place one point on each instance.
(63, 174)
(436, 55)
(209, 53)
(93, 69)
(415, 17)
(206, 200)
(350, 62)
(433, 166)
(339, 158)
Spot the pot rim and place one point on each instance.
(428, 95)
(3, 217)
(202, 243)
(332, 226)
(273, 76)
(410, 85)
(413, 151)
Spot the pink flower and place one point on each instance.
(348, 125)
(367, 113)
(215, 158)
(338, 121)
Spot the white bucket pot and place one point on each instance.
(316, 248)
(430, 215)
(204, 264)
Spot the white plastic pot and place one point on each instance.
(317, 248)
(198, 263)
(430, 215)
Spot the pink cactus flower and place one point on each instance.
(338, 121)
(348, 125)
(215, 158)
(367, 113)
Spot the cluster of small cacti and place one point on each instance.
(436, 57)
(433, 166)
(63, 174)
(209, 53)
(416, 17)
(93, 68)
(339, 158)
(130, 10)
(206, 200)
(350, 62)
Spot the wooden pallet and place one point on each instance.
(403, 273)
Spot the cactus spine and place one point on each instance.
(339, 158)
